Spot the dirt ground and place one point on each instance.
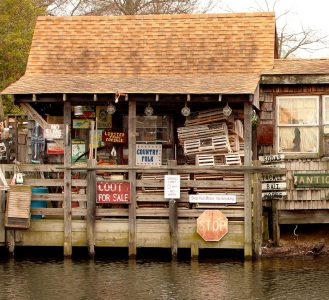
(302, 240)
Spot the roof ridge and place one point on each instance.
(163, 16)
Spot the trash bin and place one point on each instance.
(38, 203)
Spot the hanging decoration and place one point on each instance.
(185, 111)
(148, 111)
(227, 111)
(111, 109)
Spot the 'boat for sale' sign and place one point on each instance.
(114, 192)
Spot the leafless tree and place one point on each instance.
(292, 42)
(127, 7)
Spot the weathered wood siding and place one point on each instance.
(297, 199)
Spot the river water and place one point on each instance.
(104, 278)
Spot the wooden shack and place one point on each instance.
(115, 104)
(294, 107)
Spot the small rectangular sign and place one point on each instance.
(314, 180)
(212, 198)
(114, 192)
(54, 131)
(269, 159)
(273, 178)
(148, 154)
(273, 186)
(114, 137)
(274, 195)
(172, 187)
(53, 148)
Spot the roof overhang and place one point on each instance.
(162, 84)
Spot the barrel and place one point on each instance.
(40, 203)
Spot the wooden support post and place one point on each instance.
(91, 206)
(247, 181)
(257, 213)
(67, 182)
(132, 251)
(173, 220)
(2, 217)
(10, 241)
(194, 251)
(275, 223)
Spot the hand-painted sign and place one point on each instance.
(53, 131)
(273, 178)
(274, 186)
(172, 187)
(314, 180)
(114, 192)
(212, 198)
(274, 195)
(212, 225)
(114, 137)
(148, 154)
(272, 158)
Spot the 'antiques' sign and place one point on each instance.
(315, 180)
(114, 137)
(148, 155)
(113, 192)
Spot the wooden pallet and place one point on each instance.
(233, 159)
(205, 160)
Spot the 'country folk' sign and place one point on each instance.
(314, 180)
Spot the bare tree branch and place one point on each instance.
(128, 7)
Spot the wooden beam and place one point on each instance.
(91, 207)
(67, 182)
(247, 181)
(295, 79)
(36, 117)
(132, 251)
(275, 223)
(173, 220)
(257, 214)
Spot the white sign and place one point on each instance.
(54, 131)
(273, 178)
(212, 198)
(272, 186)
(172, 187)
(148, 154)
(273, 195)
(271, 158)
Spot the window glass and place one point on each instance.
(295, 110)
(298, 124)
(298, 139)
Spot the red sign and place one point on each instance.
(113, 192)
(114, 137)
(212, 225)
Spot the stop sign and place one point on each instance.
(212, 225)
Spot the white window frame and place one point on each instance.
(324, 98)
(278, 125)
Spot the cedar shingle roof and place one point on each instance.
(210, 53)
(299, 67)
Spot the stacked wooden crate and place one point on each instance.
(208, 139)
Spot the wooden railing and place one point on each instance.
(150, 201)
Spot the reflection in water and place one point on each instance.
(145, 279)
